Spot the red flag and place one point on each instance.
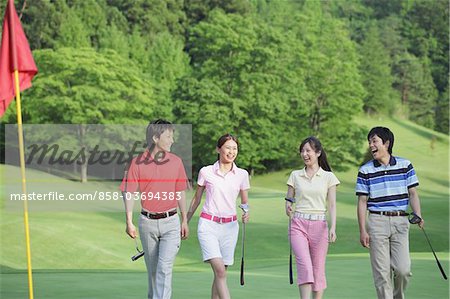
(15, 54)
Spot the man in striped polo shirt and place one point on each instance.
(385, 186)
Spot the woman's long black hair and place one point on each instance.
(317, 147)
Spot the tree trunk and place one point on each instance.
(405, 94)
(84, 165)
(84, 171)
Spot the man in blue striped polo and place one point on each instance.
(385, 187)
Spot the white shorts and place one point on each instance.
(218, 240)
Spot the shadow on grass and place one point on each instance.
(347, 277)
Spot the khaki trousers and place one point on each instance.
(389, 254)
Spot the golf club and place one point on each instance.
(139, 254)
(124, 195)
(291, 278)
(414, 219)
(244, 209)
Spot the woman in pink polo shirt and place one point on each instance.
(217, 227)
(313, 190)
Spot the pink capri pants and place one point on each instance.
(309, 239)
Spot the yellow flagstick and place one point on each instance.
(24, 182)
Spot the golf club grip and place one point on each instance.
(291, 278)
(242, 271)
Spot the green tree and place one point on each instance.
(241, 62)
(376, 73)
(441, 112)
(333, 83)
(198, 10)
(384, 8)
(81, 86)
(116, 35)
(42, 20)
(391, 36)
(94, 17)
(138, 49)
(354, 13)
(203, 104)
(167, 63)
(72, 32)
(418, 92)
(396, 46)
(84, 86)
(153, 16)
(289, 89)
(427, 29)
(115, 39)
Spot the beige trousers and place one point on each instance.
(389, 254)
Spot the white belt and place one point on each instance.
(310, 216)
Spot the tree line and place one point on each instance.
(271, 72)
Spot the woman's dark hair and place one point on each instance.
(317, 147)
(225, 138)
(155, 129)
(385, 134)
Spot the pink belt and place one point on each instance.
(218, 219)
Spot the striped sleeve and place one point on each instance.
(362, 183)
(411, 178)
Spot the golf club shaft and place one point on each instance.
(242, 271)
(243, 251)
(291, 278)
(436, 258)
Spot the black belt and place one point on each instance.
(390, 213)
(158, 215)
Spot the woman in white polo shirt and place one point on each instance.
(313, 190)
(217, 227)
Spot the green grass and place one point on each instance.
(348, 276)
(86, 254)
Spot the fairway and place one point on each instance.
(349, 276)
(87, 254)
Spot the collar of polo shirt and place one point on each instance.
(392, 162)
(216, 168)
(318, 173)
